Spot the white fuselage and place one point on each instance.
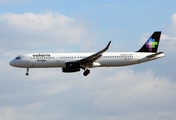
(108, 59)
(73, 62)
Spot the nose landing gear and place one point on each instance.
(27, 72)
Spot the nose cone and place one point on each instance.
(12, 63)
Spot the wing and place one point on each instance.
(94, 57)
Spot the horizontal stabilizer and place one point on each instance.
(154, 55)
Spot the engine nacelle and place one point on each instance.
(71, 67)
(68, 71)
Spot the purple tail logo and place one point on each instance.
(151, 44)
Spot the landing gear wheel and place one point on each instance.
(86, 72)
(27, 73)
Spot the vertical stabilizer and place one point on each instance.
(152, 43)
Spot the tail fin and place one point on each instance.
(152, 43)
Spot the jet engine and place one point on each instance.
(71, 67)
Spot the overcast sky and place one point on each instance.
(141, 92)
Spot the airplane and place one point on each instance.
(74, 62)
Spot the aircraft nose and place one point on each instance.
(12, 63)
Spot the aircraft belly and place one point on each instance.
(115, 63)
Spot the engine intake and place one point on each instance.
(71, 67)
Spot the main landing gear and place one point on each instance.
(86, 72)
(27, 72)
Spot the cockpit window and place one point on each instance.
(18, 58)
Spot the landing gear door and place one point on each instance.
(137, 58)
(57, 58)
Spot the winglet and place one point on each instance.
(108, 45)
